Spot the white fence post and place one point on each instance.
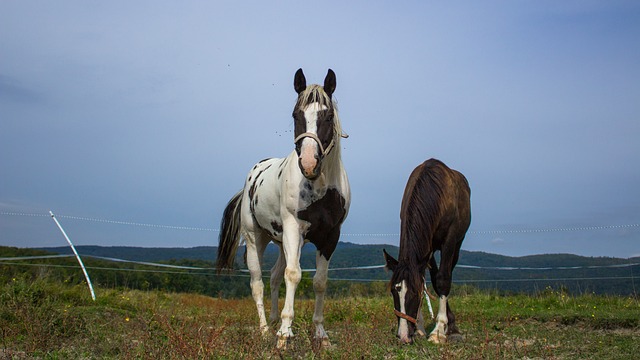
(86, 275)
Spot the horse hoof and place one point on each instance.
(283, 342)
(323, 342)
(264, 330)
(420, 333)
(437, 338)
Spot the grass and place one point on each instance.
(41, 319)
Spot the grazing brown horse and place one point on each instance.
(435, 215)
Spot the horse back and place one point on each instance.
(436, 202)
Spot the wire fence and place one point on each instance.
(363, 234)
(369, 267)
(155, 267)
(212, 271)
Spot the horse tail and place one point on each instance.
(229, 233)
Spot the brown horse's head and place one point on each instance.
(406, 288)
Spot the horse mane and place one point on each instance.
(313, 93)
(420, 212)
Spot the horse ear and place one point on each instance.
(299, 81)
(391, 262)
(330, 82)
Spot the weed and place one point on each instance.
(56, 320)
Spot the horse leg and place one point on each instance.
(438, 334)
(441, 278)
(320, 288)
(255, 249)
(452, 332)
(420, 331)
(277, 272)
(292, 244)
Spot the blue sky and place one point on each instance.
(154, 112)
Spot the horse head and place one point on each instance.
(406, 289)
(315, 121)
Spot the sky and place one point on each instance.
(135, 122)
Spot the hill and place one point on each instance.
(347, 254)
(529, 274)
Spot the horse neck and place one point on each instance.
(333, 161)
(415, 246)
(419, 215)
(332, 164)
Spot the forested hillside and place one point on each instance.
(529, 274)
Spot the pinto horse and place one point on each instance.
(435, 215)
(302, 198)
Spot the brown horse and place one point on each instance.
(435, 215)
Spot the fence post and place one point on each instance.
(84, 270)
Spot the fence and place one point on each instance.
(209, 271)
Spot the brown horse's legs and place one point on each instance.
(441, 278)
(438, 334)
(452, 328)
(452, 252)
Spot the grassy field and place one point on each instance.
(46, 320)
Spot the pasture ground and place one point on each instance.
(44, 320)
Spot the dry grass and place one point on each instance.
(51, 321)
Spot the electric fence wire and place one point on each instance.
(192, 228)
(239, 272)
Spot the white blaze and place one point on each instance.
(403, 326)
(309, 147)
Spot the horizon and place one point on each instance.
(311, 247)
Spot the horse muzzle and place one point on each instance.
(310, 167)
(310, 155)
(406, 328)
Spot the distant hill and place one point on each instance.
(346, 254)
(529, 274)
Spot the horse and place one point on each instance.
(290, 201)
(435, 215)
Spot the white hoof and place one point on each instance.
(437, 338)
(283, 342)
(264, 330)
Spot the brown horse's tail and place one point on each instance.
(229, 234)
